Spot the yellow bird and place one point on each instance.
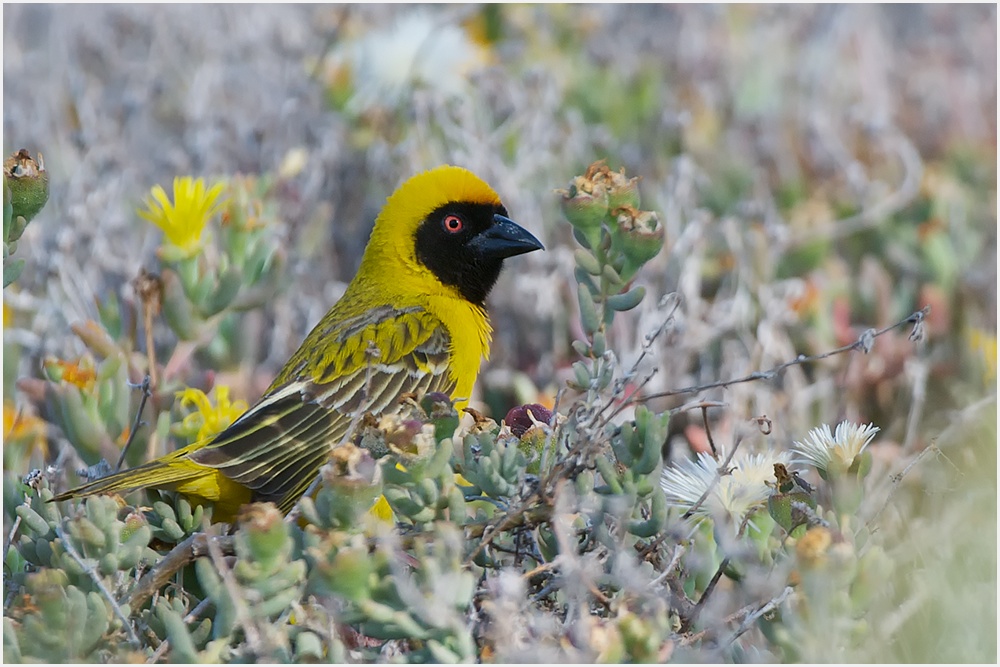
(413, 320)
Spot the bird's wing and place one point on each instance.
(351, 367)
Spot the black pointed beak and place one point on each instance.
(505, 238)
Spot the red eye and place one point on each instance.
(452, 224)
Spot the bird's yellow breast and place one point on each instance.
(470, 332)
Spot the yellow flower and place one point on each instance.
(208, 420)
(381, 509)
(22, 427)
(183, 222)
(80, 373)
(814, 545)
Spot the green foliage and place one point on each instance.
(420, 522)
(467, 504)
(174, 518)
(94, 414)
(203, 295)
(69, 624)
(97, 535)
(25, 191)
(785, 224)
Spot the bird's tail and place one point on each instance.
(161, 474)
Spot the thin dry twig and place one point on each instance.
(698, 405)
(149, 288)
(708, 431)
(673, 301)
(67, 544)
(180, 556)
(722, 470)
(544, 568)
(250, 629)
(774, 603)
(701, 634)
(636, 390)
(864, 343)
(551, 441)
(146, 393)
(678, 552)
(158, 653)
(506, 522)
(689, 617)
(897, 481)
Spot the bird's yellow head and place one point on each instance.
(447, 229)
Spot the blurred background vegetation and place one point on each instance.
(818, 170)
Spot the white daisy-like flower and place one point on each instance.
(733, 495)
(822, 449)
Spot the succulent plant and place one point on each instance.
(25, 191)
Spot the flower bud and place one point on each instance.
(780, 507)
(29, 187)
(585, 205)
(622, 191)
(441, 413)
(529, 424)
(437, 404)
(519, 419)
(264, 533)
(638, 234)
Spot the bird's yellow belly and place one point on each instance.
(213, 487)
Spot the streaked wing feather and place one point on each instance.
(277, 447)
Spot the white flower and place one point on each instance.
(732, 495)
(821, 448)
(418, 50)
